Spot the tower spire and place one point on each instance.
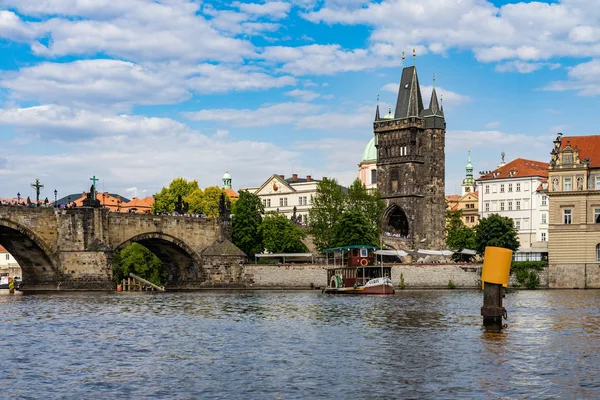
(377, 118)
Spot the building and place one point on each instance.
(367, 169)
(283, 195)
(112, 201)
(8, 264)
(468, 200)
(515, 190)
(136, 205)
(574, 217)
(227, 186)
(410, 168)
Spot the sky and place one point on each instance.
(139, 92)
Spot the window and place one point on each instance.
(487, 206)
(543, 236)
(567, 184)
(510, 187)
(373, 176)
(598, 183)
(502, 188)
(8, 256)
(282, 201)
(518, 187)
(598, 252)
(518, 205)
(510, 206)
(567, 216)
(518, 224)
(364, 252)
(544, 200)
(501, 206)
(473, 218)
(597, 215)
(544, 218)
(487, 189)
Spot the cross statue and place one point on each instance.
(37, 186)
(94, 179)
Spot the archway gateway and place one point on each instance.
(397, 222)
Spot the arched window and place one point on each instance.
(598, 252)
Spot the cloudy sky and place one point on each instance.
(138, 92)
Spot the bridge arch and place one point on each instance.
(38, 261)
(182, 262)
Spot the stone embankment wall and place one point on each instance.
(416, 276)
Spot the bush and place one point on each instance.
(526, 273)
(451, 285)
(401, 280)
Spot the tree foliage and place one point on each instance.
(198, 201)
(353, 228)
(330, 203)
(281, 235)
(497, 231)
(137, 259)
(167, 198)
(247, 217)
(458, 235)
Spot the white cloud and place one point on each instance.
(210, 78)
(221, 133)
(108, 83)
(583, 78)
(13, 28)
(524, 67)
(460, 140)
(492, 125)
(303, 95)
(273, 9)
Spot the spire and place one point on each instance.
(433, 103)
(377, 110)
(410, 102)
(468, 181)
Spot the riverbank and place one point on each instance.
(407, 276)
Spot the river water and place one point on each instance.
(272, 344)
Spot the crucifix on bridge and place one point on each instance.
(91, 200)
(38, 187)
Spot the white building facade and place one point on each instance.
(8, 264)
(517, 190)
(281, 195)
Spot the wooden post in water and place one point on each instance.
(494, 277)
(492, 310)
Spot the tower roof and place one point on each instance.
(370, 153)
(226, 175)
(410, 103)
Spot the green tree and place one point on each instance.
(327, 207)
(137, 259)
(210, 201)
(353, 228)
(166, 199)
(496, 231)
(195, 201)
(367, 202)
(247, 217)
(281, 235)
(458, 235)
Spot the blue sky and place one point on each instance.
(138, 92)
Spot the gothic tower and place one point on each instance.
(410, 168)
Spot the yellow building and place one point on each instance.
(468, 201)
(574, 217)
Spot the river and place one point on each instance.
(286, 344)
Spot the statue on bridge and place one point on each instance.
(91, 200)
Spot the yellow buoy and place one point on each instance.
(496, 265)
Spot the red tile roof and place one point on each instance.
(520, 167)
(2, 249)
(141, 205)
(589, 147)
(231, 193)
(452, 197)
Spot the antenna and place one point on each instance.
(414, 57)
(403, 58)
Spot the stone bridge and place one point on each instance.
(72, 249)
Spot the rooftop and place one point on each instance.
(519, 168)
(588, 146)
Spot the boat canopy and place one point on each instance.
(398, 253)
(344, 248)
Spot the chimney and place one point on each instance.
(282, 176)
(308, 178)
(294, 177)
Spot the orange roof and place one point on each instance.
(231, 193)
(519, 168)
(588, 146)
(452, 197)
(141, 205)
(2, 249)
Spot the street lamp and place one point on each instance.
(55, 195)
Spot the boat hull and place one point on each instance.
(374, 289)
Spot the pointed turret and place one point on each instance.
(433, 103)
(468, 184)
(410, 102)
(377, 113)
(434, 115)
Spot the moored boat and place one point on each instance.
(354, 272)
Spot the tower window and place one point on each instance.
(374, 176)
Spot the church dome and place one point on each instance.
(370, 153)
(226, 175)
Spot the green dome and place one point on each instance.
(370, 153)
(226, 175)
